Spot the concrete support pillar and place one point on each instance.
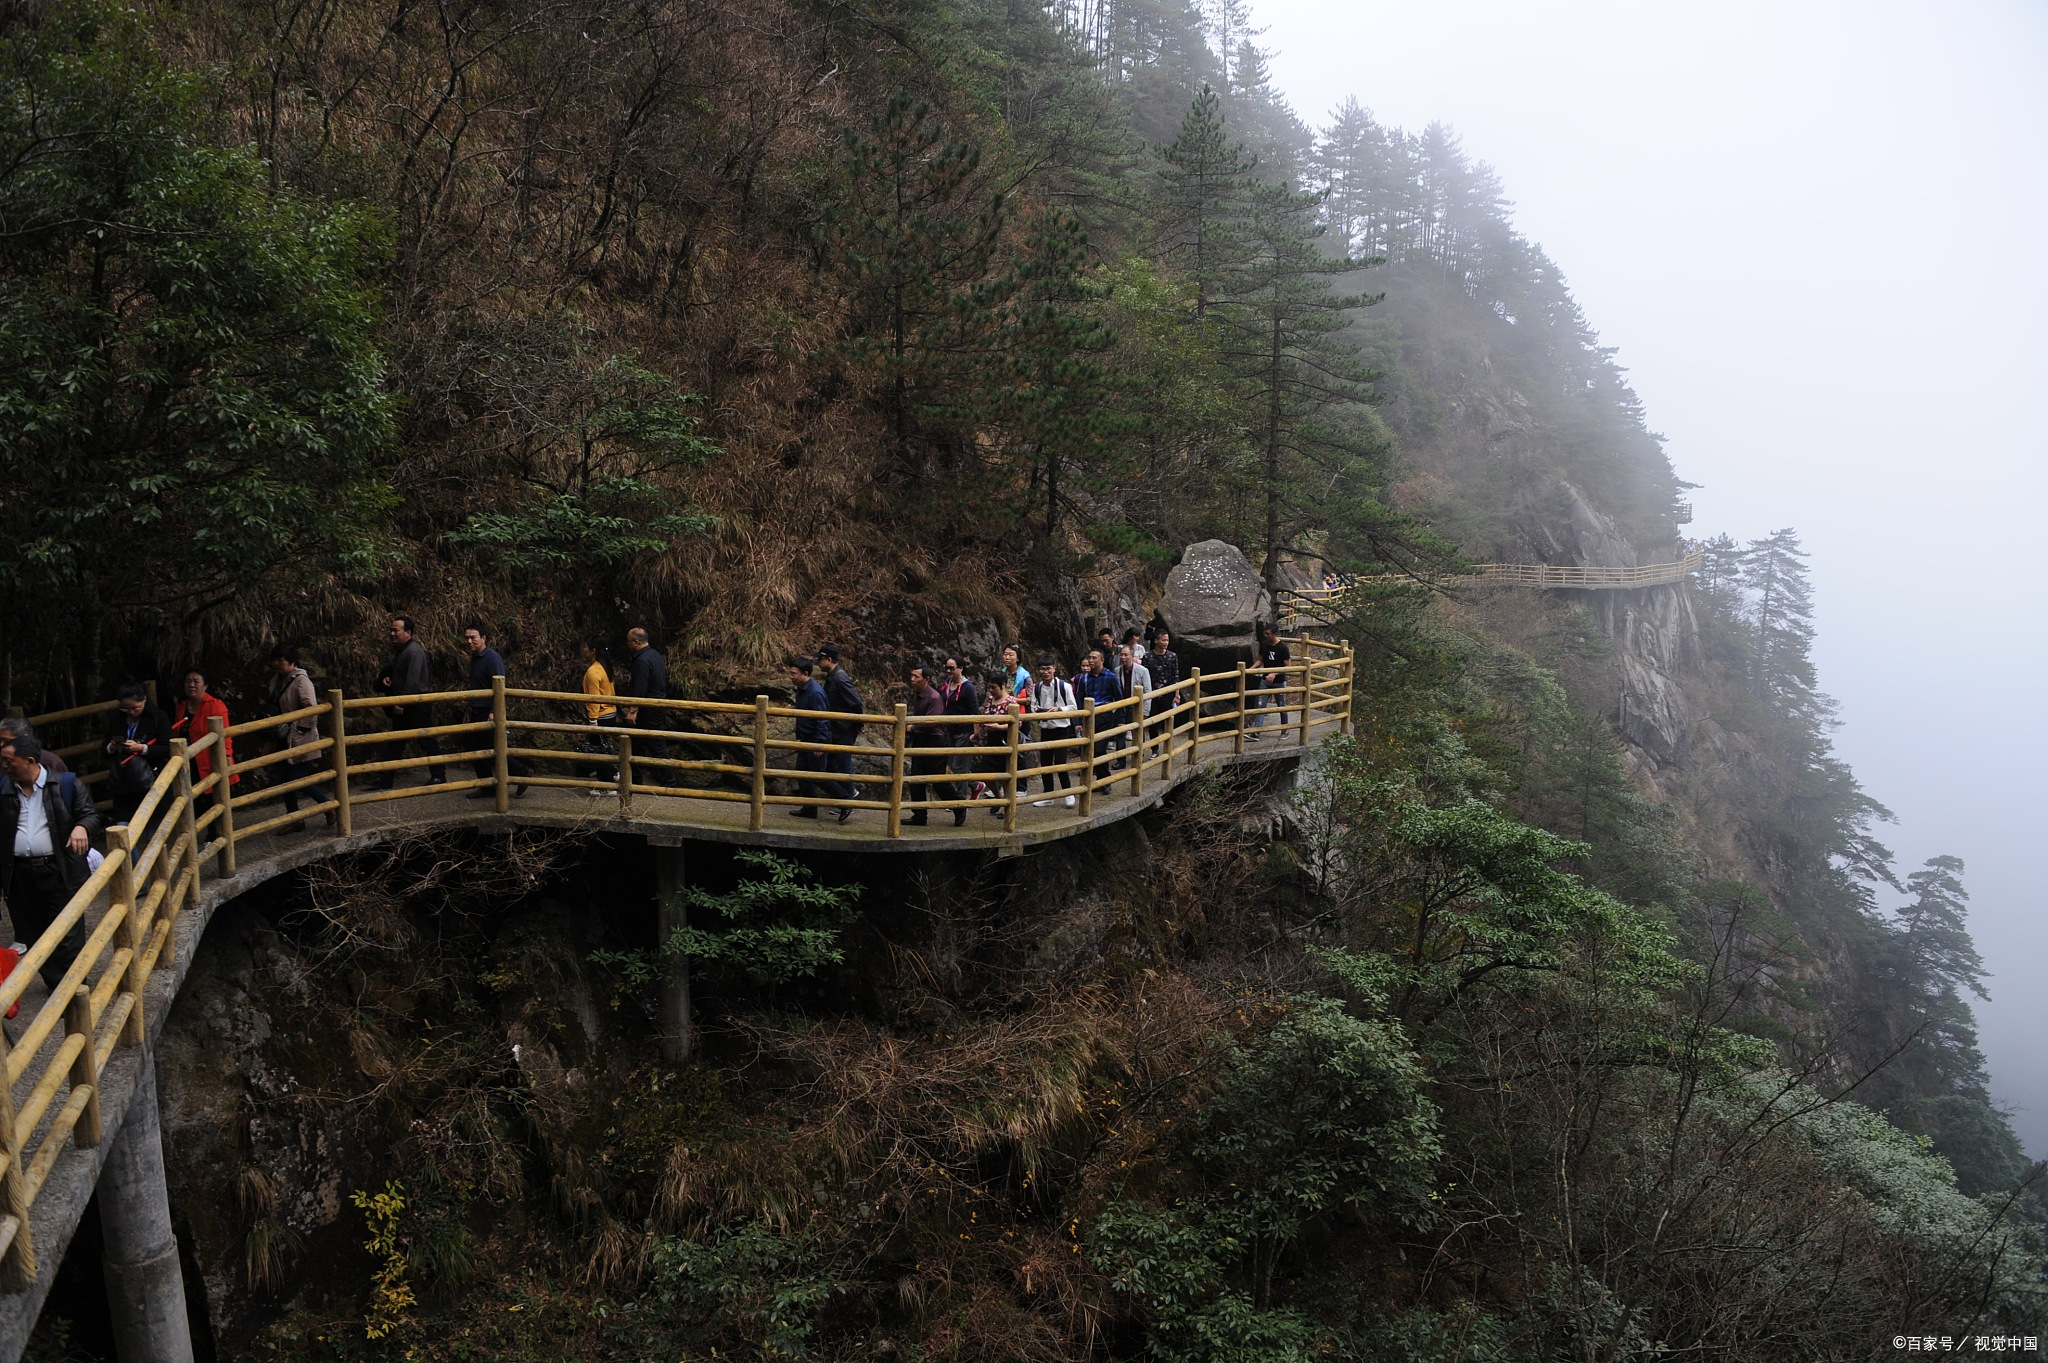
(671, 892)
(145, 1291)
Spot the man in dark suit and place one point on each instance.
(647, 678)
(46, 827)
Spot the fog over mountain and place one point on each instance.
(1810, 232)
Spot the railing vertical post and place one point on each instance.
(1016, 737)
(625, 775)
(1194, 717)
(84, 1073)
(224, 792)
(1308, 694)
(18, 1268)
(501, 744)
(337, 735)
(1237, 737)
(1088, 754)
(1348, 675)
(1137, 744)
(121, 847)
(188, 818)
(757, 802)
(897, 736)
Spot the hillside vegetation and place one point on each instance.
(1572, 1009)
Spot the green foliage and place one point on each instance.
(1325, 1115)
(192, 391)
(779, 926)
(391, 1294)
(767, 1287)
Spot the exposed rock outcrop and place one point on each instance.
(1214, 601)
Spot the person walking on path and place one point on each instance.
(647, 679)
(14, 726)
(1136, 680)
(808, 696)
(1099, 684)
(1273, 656)
(963, 698)
(484, 664)
(926, 703)
(192, 720)
(1016, 677)
(408, 674)
(599, 711)
(1164, 665)
(842, 697)
(47, 823)
(1052, 705)
(137, 746)
(291, 691)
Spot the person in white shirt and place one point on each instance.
(46, 827)
(1052, 704)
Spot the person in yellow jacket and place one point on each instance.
(599, 709)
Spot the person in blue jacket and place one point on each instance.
(806, 694)
(1099, 684)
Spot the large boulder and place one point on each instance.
(1213, 604)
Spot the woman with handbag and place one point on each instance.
(292, 691)
(138, 744)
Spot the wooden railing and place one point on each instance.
(153, 862)
(1324, 605)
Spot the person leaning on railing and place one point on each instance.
(138, 744)
(47, 823)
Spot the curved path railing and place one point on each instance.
(1120, 759)
(1326, 604)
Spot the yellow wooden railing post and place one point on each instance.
(188, 818)
(1194, 717)
(897, 737)
(224, 792)
(501, 742)
(337, 734)
(757, 802)
(625, 775)
(1088, 753)
(1016, 737)
(1237, 738)
(1308, 695)
(18, 1267)
(129, 936)
(85, 1073)
(1137, 744)
(1346, 676)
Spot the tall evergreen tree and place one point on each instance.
(913, 230)
(1205, 185)
(1781, 626)
(1305, 392)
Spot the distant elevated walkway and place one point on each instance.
(1322, 605)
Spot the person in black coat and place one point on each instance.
(42, 852)
(408, 675)
(138, 744)
(808, 696)
(647, 678)
(842, 697)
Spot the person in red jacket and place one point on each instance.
(192, 720)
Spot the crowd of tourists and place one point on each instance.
(49, 820)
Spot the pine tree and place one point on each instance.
(1781, 627)
(1933, 931)
(914, 232)
(1305, 392)
(1205, 185)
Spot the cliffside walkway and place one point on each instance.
(78, 1054)
(1325, 604)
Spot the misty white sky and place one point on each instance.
(1815, 231)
